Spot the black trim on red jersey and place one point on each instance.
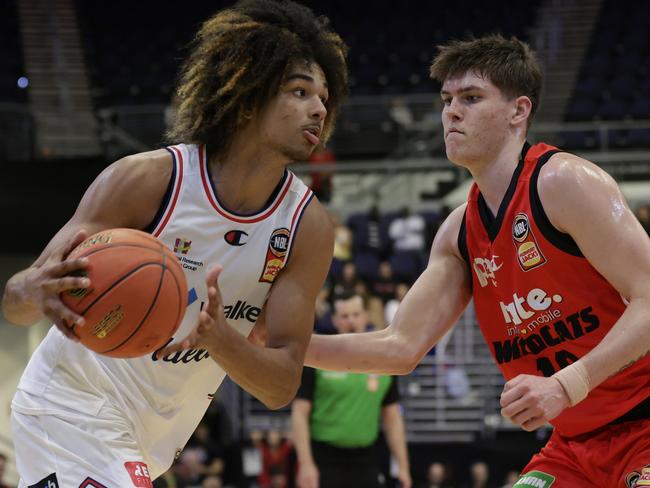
(462, 238)
(559, 239)
(166, 198)
(492, 225)
(640, 412)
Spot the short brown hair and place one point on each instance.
(508, 63)
(237, 64)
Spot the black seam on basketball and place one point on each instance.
(146, 316)
(117, 282)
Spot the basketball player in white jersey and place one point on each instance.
(260, 90)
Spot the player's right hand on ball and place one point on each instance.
(53, 277)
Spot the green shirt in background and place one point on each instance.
(346, 407)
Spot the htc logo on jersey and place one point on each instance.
(242, 310)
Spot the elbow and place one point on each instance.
(278, 401)
(407, 357)
(283, 394)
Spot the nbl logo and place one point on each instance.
(279, 242)
(275, 255)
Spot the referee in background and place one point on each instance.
(336, 418)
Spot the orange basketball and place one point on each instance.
(137, 296)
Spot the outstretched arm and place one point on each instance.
(431, 307)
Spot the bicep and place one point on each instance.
(434, 303)
(125, 194)
(595, 214)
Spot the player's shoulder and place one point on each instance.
(565, 174)
(316, 226)
(571, 188)
(149, 162)
(147, 171)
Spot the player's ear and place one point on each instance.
(523, 107)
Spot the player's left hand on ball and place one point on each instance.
(211, 320)
(531, 401)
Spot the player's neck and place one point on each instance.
(245, 177)
(493, 176)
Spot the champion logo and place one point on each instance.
(236, 237)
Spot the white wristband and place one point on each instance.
(575, 381)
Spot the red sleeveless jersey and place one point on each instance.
(540, 304)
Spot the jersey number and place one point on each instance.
(562, 358)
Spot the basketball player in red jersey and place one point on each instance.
(557, 266)
(260, 89)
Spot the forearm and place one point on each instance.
(17, 306)
(381, 352)
(270, 374)
(396, 437)
(626, 343)
(301, 438)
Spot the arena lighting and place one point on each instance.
(22, 82)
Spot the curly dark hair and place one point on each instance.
(237, 64)
(508, 63)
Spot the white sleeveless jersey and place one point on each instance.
(165, 398)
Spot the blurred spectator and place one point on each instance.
(373, 306)
(209, 451)
(190, 468)
(401, 114)
(323, 322)
(407, 232)
(372, 238)
(384, 286)
(276, 453)
(511, 478)
(3, 463)
(342, 247)
(432, 229)
(321, 181)
(643, 214)
(168, 479)
(479, 474)
(437, 476)
(390, 309)
(212, 482)
(342, 240)
(221, 432)
(348, 280)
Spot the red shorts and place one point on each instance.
(615, 456)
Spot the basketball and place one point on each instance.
(137, 296)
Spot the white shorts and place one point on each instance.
(77, 451)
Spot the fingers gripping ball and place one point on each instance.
(137, 296)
